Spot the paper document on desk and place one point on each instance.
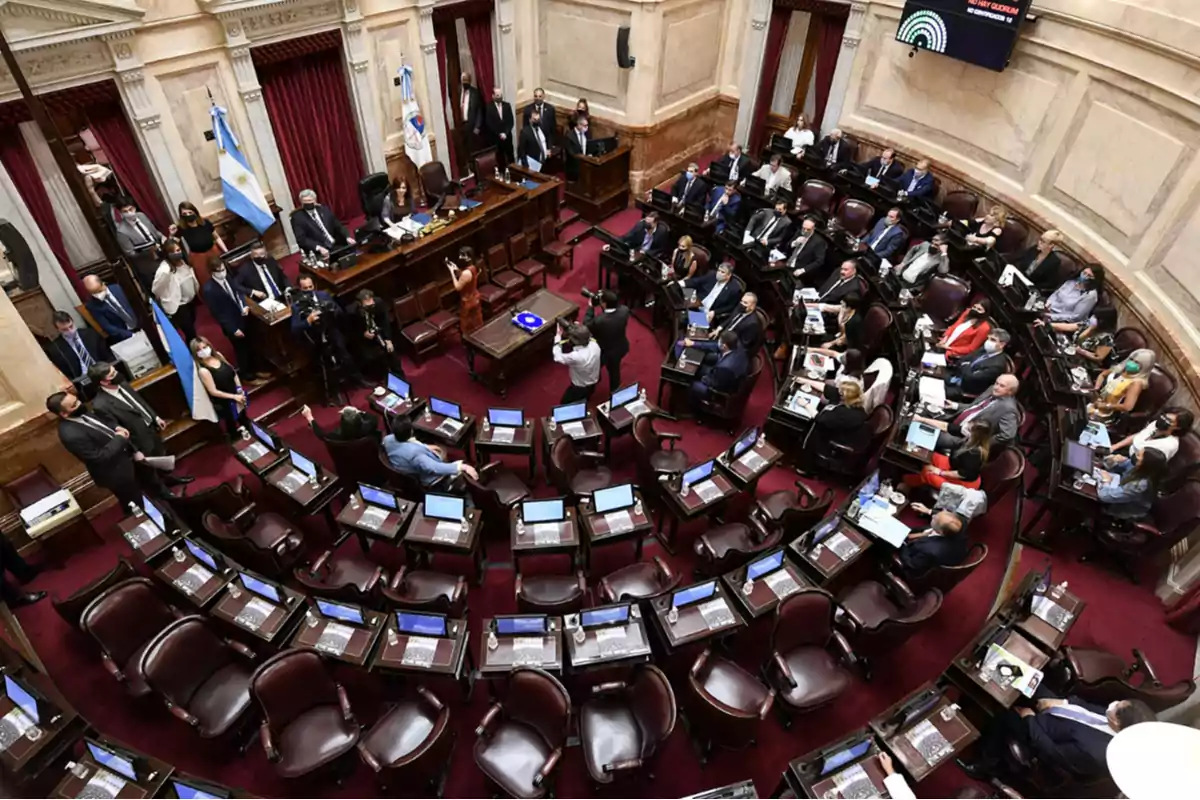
(747, 238)
(527, 650)
(1010, 274)
(776, 255)
(809, 294)
(1051, 612)
(272, 306)
(818, 362)
(883, 525)
(574, 429)
(447, 532)
(1026, 682)
(503, 435)
(932, 359)
(546, 533)
(533, 164)
(932, 390)
(1095, 434)
(419, 651)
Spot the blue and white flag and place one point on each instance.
(189, 375)
(243, 195)
(416, 143)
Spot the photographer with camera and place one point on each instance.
(607, 320)
(371, 335)
(315, 315)
(576, 348)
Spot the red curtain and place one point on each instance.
(446, 109)
(310, 110)
(109, 124)
(829, 46)
(479, 39)
(23, 171)
(773, 52)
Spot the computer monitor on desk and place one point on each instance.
(845, 756)
(601, 147)
(114, 759)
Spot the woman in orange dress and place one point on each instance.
(465, 277)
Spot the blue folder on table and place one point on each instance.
(528, 321)
(421, 218)
(527, 184)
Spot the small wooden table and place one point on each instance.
(135, 530)
(428, 425)
(943, 714)
(544, 538)
(587, 440)
(275, 627)
(603, 648)
(600, 532)
(74, 780)
(507, 345)
(351, 519)
(305, 498)
(427, 536)
(823, 561)
(692, 626)
(507, 655)
(359, 646)
(803, 775)
(744, 476)
(1047, 636)
(619, 421)
(172, 569)
(26, 760)
(523, 443)
(763, 599)
(256, 456)
(691, 506)
(451, 655)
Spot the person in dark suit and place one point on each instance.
(1069, 734)
(316, 228)
(734, 162)
(75, 350)
(884, 166)
(353, 424)
(979, 370)
(722, 206)
(688, 188)
(370, 330)
(997, 406)
(325, 335)
(767, 229)
(940, 545)
(716, 292)
(833, 150)
(533, 142)
(607, 319)
(743, 322)
(111, 309)
(575, 142)
(647, 235)
(917, 181)
(105, 451)
(138, 239)
(118, 405)
(396, 205)
(723, 375)
(838, 285)
(887, 237)
(470, 108)
(808, 250)
(261, 277)
(1041, 263)
(547, 117)
(23, 571)
(226, 301)
(498, 122)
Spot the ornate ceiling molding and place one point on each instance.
(34, 24)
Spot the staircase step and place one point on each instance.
(565, 217)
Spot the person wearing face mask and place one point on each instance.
(733, 163)
(111, 309)
(1041, 263)
(105, 450)
(683, 260)
(967, 333)
(767, 229)
(978, 370)
(498, 122)
(138, 239)
(997, 406)
(370, 331)
(353, 425)
(575, 142)
(1161, 434)
(200, 239)
(648, 235)
(470, 108)
(533, 143)
(547, 116)
(226, 301)
(1075, 300)
(724, 374)
(688, 188)
(261, 277)
(850, 314)
(222, 383)
(716, 292)
(808, 250)
(175, 287)
(986, 230)
(1119, 387)
(465, 278)
(775, 176)
(316, 228)
(833, 150)
(722, 206)
(924, 260)
(75, 350)
(743, 322)
(887, 237)
(917, 181)
(396, 204)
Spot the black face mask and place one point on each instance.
(1162, 424)
(188, 215)
(977, 314)
(778, 213)
(309, 206)
(175, 257)
(77, 411)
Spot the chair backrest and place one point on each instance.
(536, 699)
(894, 631)
(290, 683)
(1001, 474)
(181, 658)
(71, 607)
(497, 258)
(564, 463)
(855, 216)
(877, 389)
(879, 425)
(371, 191)
(644, 434)
(1127, 340)
(488, 500)
(407, 486)
(429, 299)
(1137, 682)
(546, 231)
(875, 323)
(801, 517)
(945, 297)
(653, 702)
(434, 179)
(1185, 463)
(944, 578)
(1068, 267)
(804, 618)
(518, 248)
(126, 617)
(960, 204)
(817, 196)
(1013, 236)
(485, 163)
(406, 309)
(703, 258)
(1176, 515)
(355, 460)
(223, 499)
(31, 487)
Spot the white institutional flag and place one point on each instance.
(416, 143)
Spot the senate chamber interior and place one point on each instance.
(620, 398)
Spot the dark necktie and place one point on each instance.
(129, 321)
(132, 402)
(81, 352)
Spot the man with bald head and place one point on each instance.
(997, 405)
(111, 309)
(940, 545)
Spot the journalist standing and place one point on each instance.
(607, 320)
(582, 360)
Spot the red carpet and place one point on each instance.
(1119, 616)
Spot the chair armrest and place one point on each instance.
(1020, 753)
(758, 528)
(518, 584)
(344, 703)
(701, 661)
(248, 510)
(268, 742)
(1140, 664)
(581, 581)
(664, 570)
(397, 579)
(431, 698)
(606, 688)
(844, 652)
(590, 455)
(765, 708)
(376, 578)
(803, 489)
(460, 589)
(488, 719)
(320, 563)
(704, 549)
(784, 672)
(669, 437)
(487, 470)
(547, 768)
(369, 757)
(112, 667)
(899, 589)
(239, 648)
(623, 766)
(180, 712)
(239, 486)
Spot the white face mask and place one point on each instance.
(204, 352)
(991, 346)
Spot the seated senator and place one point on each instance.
(997, 406)
(396, 204)
(716, 292)
(722, 205)
(744, 323)
(850, 314)
(917, 181)
(962, 466)
(799, 136)
(725, 374)
(1119, 387)
(843, 422)
(967, 333)
(1075, 299)
(808, 250)
(883, 167)
(924, 259)
(768, 229)
(316, 227)
(852, 368)
(775, 175)
(1161, 434)
(1127, 487)
(942, 544)
(648, 236)
(887, 237)
(683, 261)
(353, 425)
(978, 370)
(1041, 263)
(985, 231)
(425, 462)
(689, 187)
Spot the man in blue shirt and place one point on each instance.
(426, 463)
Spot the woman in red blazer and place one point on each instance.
(967, 333)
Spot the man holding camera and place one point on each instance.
(315, 314)
(577, 349)
(607, 320)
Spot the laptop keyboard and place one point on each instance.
(449, 426)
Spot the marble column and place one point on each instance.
(752, 62)
(505, 13)
(362, 94)
(433, 83)
(845, 63)
(54, 283)
(274, 179)
(27, 377)
(147, 122)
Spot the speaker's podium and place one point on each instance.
(601, 187)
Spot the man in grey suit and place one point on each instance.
(997, 405)
(138, 239)
(427, 463)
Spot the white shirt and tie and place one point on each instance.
(466, 103)
(224, 284)
(733, 169)
(582, 137)
(268, 283)
(146, 237)
(316, 217)
(831, 156)
(767, 230)
(780, 177)
(122, 394)
(711, 297)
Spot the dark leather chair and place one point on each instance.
(1001, 474)
(1172, 518)
(484, 163)
(850, 463)
(71, 607)
(881, 615)
(640, 581)
(1013, 237)
(1156, 394)
(703, 258)
(226, 500)
(345, 576)
(266, 543)
(429, 298)
(371, 191)
(623, 725)
(496, 492)
(1184, 465)
(726, 547)
(551, 593)
(816, 198)
(203, 679)
(876, 322)
(794, 512)
(960, 204)
(1127, 340)
(944, 298)
(811, 662)
(1035, 777)
(1101, 677)
(652, 459)
(500, 272)
(124, 621)
(418, 335)
(728, 407)
(520, 741)
(726, 704)
(403, 484)
(307, 721)
(426, 590)
(523, 262)
(558, 252)
(1068, 267)
(855, 216)
(942, 578)
(354, 460)
(411, 745)
(568, 472)
(436, 182)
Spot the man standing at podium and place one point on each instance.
(576, 145)
(498, 119)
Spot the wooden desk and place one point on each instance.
(543, 538)
(275, 628)
(907, 456)
(967, 670)
(762, 599)
(505, 656)
(404, 407)
(171, 569)
(606, 649)
(358, 648)
(823, 562)
(135, 529)
(507, 345)
(523, 443)
(451, 655)
(74, 780)
(272, 334)
(944, 715)
(256, 456)
(692, 626)
(603, 185)
(598, 531)
(426, 424)
(673, 375)
(743, 477)
(689, 507)
(305, 498)
(1048, 637)
(619, 421)
(424, 538)
(803, 776)
(389, 530)
(742, 790)
(27, 761)
(584, 441)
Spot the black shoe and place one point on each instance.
(26, 599)
(177, 480)
(973, 770)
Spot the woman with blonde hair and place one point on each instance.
(987, 229)
(683, 260)
(222, 383)
(1119, 387)
(843, 422)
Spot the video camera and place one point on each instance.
(307, 303)
(593, 297)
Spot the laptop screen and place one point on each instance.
(693, 594)
(377, 497)
(512, 625)
(543, 510)
(764, 566)
(622, 396)
(420, 624)
(697, 474)
(826, 530)
(110, 759)
(697, 318)
(188, 791)
(445, 408)
(261, 434)
(398, 386)
(23, 699)
(745, 443)
(342, 611)
(201, 554)
(260, 587)
(611, 615)
(570, 413)
(871, 486)
(843, 757)
(508, 417)
(153, 513)
(303, 464)
(444, 506)
(1078, 456)
(613, 498)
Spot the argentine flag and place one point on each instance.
(416, 143)
(243, 195)
(189, 375)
